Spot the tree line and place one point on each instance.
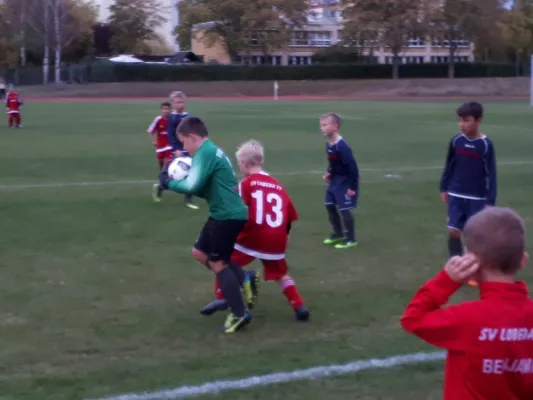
(52, 32)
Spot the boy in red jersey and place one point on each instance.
(489, 341)
(158, 131)
(265, 235)
(13, 104)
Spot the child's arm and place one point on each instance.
(424, 317)
(349, 160)
(200, 172)
(448, 170)
(171, 132)
(493, 185)
(152, 130)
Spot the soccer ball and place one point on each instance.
(179, 168)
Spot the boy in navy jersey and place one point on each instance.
(177, 100)
(468, 183)
(343, 184)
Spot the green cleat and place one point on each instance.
(157, 193)
(346, 245)
(250, 288)
(333, 240)
(234, 324)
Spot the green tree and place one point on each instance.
(241, 25)
(8, 50)
(516, 29)
(388, 23)
(133, 22)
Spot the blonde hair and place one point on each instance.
(177, 95)
(252, 152)
(336, 118)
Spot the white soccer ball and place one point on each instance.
(179, 168)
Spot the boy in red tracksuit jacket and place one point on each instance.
(489, 341)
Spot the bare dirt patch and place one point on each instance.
(334, 89)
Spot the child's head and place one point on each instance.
(166, 109)
(497, 237)
(250, 157)
(470, 116)
(192, 132)
(177, 100)
(330, 124)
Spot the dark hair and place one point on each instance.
(166, 104)
(497, 236)
(192, 126)
(471, 109)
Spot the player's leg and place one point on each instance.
(276, 270)
(10, 120)
(222, 237)
(346, 206)
(157, 190)
(239, 260)
(456, 222)
(18, 120)
(334, 218)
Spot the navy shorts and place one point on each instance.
(336, 194)
(460, 210)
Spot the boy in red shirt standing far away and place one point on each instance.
(489, 341)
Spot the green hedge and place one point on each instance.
(115, 72)
(105, 71)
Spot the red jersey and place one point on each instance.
(13, 103)
(489, 341)
(270, 211)
(159, 127)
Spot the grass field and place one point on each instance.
(99, 294)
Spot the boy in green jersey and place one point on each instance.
(212, 177)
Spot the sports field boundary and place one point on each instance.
(323, 371)
(413, 98)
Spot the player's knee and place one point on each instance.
(216, 266)
(454, 233)
(200, 256)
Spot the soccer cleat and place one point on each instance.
(472, 283)
(346, 245)
(214, 306)
(333, 240)
(250, 288)
(302, 313)
(234, 324)
(192, 206)
(157, 192)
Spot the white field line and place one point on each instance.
(310, 172)
(215, 387)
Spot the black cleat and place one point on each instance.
(302, 313)
(214, 306)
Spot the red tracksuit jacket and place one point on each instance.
(489, 341)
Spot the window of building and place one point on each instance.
(319, 39)
(416, 42)
(299, 38)
(299, 60)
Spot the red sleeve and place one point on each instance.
(292, 214)
(244, 191)
(424, 317)
(153, 127)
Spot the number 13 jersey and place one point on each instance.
(270, 212)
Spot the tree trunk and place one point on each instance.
(451, 61)
(58, 40)
(22, 48)
(395, 66)
(46, 50)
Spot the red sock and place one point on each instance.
(10, 119)
(218, 292)
(291, 293)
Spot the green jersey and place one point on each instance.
(212, 177)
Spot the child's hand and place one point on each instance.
(461, 269)
(444, 197)
(327, 177)
(350, 192)
(178, 153)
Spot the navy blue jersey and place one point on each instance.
(342, 163)
(470, 170)
(174, 120)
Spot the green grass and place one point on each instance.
(99, 293)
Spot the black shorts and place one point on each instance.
(218, 237)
